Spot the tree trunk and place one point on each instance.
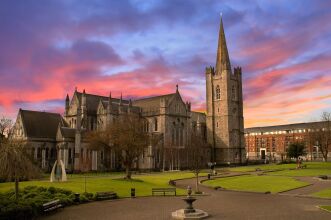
(197, 182)
(16, 187)
(127, 172)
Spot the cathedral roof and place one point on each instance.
(92, 101)
(198, 117)
(68, 132)
(40, 124)
(153, 102)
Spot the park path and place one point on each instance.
(219, 204)
(316, 186)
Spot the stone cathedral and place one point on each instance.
(52, 136)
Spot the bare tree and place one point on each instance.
(15, 163)
(321, 135)
(126, 136)
(5, 126)
(197, 152)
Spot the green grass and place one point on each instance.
(313, 169)
(142, 183)
(253, 183)
(323, 194)
(326, 207)
(262, 167)
(302, 172)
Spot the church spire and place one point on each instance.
(222, 61)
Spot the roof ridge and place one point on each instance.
(301, 123)
(34, 111)
(158, 96)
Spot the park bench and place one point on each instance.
(105, 195)
(163, 191)
(52, 205)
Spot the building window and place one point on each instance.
(155, 124)
(173, 137)
(218, 92)
(233, 93)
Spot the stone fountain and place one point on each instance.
(189, 212)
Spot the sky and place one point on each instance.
(143, 48)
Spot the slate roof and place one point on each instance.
(68, 132)
(198, 116)
(296, 126)
(41, 124)
(92, 101)
(115, 106)
(152, 102)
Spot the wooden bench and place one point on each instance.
(105, 195)
(163, 191)
(52, 205)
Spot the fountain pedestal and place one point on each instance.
(189, 212)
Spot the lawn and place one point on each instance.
(254, 183)
(323, 194)
(313, 169)
(113, 182)
(262, 167)
(302, 172)
(326, 207)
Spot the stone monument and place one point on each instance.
(58, 172)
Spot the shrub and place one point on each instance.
(31, 200)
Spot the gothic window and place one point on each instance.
(233, 93)
(173, 137)
(155, 124)
(218, 92)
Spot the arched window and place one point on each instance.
(155, 124)
(233, 93)
(218, 92)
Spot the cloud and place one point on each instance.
(145, 48)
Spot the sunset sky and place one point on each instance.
(145, 47)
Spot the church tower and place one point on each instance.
(225, 121)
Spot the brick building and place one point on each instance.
(272, 142)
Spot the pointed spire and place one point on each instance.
(84, 98)
(109, 98)
(67, 98)
(222, 61)
(177, 88)
(121, 99)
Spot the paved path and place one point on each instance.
(317, 185)
(219, 204)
